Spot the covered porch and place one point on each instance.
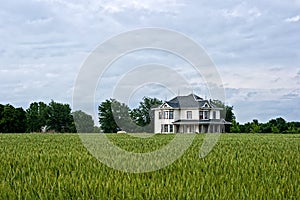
(198, 127)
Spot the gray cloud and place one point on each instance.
(255, 45)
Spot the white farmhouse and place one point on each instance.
(188, 114)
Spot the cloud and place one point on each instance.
(44, 43)
(242, 11)
(293, 19)
(246, 111)
(117, 6)
(164, 6)
(39, 21)
(263, 104)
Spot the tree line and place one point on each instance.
(115, 116)
(57, 117)
(42, 117)
(278, 125)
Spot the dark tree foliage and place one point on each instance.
(55, 116)
(8, 119)
(278, 125)
(36, 116)
(84, 122)
(121, 114)
(20, 119)
(106, 118)
(143, 116)
(235, 127)
(12, 120)
(293, 127)
(254, 126)
(115, 116)
(60, 118)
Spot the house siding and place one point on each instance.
(180, 122)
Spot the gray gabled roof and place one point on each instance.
(190, 101)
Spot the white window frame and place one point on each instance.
(189, 116)
(166, 114)
(171, 111)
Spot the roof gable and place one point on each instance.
(206, 105)
(165, 105)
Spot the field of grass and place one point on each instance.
(241, 166)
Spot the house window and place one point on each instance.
(159, 115)
(189, 114)
(200, 114)
(206, 114)
(171, 128)
(171, 114)
(214, 114)
(166, 128)
(166, 115)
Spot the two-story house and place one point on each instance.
(188, 114)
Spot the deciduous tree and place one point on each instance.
(60, 118)
(143, 115)
(84, 122)
(36, 116)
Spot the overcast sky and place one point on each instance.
(254, 44)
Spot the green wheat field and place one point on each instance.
(241, 166)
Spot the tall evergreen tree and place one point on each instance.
(106, 118)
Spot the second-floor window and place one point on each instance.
(171, 114)
(201, 115)
(189, 114)
(166, 115)
(204, 114)
(214, 115)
